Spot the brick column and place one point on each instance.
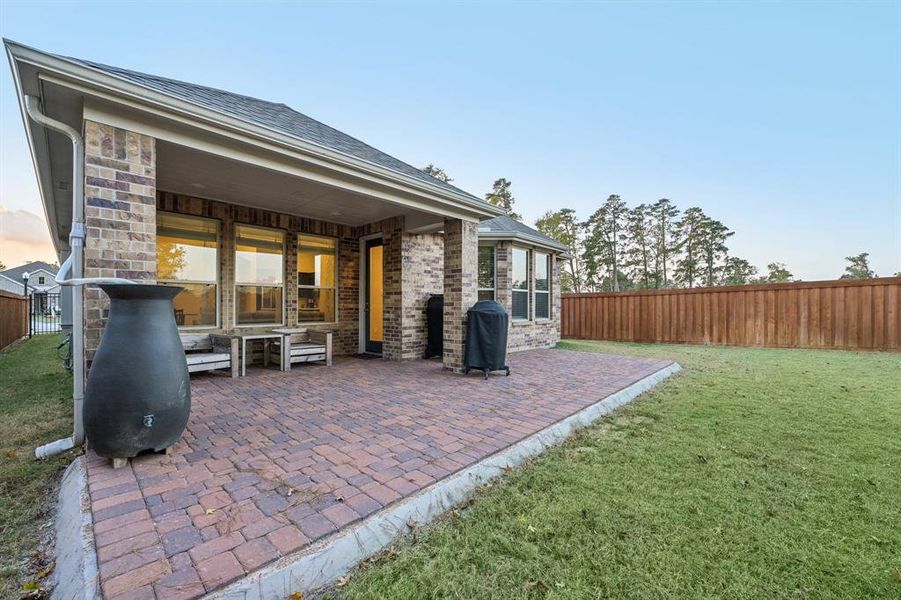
(120, 216)
(461, 257)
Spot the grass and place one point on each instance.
(754, 473)
(35, 408)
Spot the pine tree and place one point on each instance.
(737, 271)
(563, 226)
(777, 273)
(500, 195)
(603, 246)
(689, 230)
(639, 251)
(664, 216)
(858, 267)
(437, 173)
(712, 243)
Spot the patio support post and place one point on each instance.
(461, 248)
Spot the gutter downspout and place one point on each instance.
(70, 274)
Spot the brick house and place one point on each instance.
(267, 217)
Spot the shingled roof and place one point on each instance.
(275, 116)
(16, 273)
(504, 226)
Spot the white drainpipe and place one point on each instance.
(70, 274)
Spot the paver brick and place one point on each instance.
(251, 439)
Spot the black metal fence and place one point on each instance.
(44, 314)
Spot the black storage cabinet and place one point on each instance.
(486, 338)
(434, 313)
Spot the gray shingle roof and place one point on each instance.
(16, 272)
(504, 225)
(272, 115)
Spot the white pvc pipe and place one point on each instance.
(70, 274)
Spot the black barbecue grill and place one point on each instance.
(486, 338)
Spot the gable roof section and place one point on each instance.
(504, 227)
(276, 116)
(15, 274)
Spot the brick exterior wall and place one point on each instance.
(423, 275)
(525, 335)
(461, 244)
(120, 216)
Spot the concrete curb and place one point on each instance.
(325, 562)
(76, 576)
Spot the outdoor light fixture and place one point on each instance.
(25, 276)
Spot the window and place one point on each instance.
(486, 273)
(259, 275)
(187, 251)
(41, 280)
(542, 286)
(317, 272)
(521, 284)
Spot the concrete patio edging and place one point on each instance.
(76, 575)
(327, 561)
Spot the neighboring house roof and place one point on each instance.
(504, 227)
(15, 274)
(277, 116)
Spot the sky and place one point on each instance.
(782, 120)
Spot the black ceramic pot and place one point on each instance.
(138, 395)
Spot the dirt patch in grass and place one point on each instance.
(35, 408)
(755, 472)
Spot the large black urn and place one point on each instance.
(138, 395)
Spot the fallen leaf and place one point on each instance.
(339, 498)
(11, 454)
(341, 582)
(46, 570)
(210, 511)
(290, 491)
(29, 585)
(295, 596)
(531, 529)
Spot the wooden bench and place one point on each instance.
(306, 346)
(211, 351)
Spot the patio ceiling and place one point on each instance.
(192, 172)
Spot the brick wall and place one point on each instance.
(423, 275)
(524, 335)
(120, 216)
(461, 244)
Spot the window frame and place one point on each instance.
(492, 289)
(236, 284)
(334, 320)
(550, 286)
(528, 291)
(218, 280)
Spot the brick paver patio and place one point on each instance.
(275, 461)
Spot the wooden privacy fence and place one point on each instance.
(848, 314)
(13, 318)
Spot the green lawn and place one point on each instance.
(35, 408)
(754, 473)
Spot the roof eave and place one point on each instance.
(46, 201)
(118, 86)
(515, 236)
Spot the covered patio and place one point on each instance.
(276, 462)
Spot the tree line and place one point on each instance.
(648, 246)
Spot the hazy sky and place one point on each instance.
(783, 120)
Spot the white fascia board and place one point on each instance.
(117, 89)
